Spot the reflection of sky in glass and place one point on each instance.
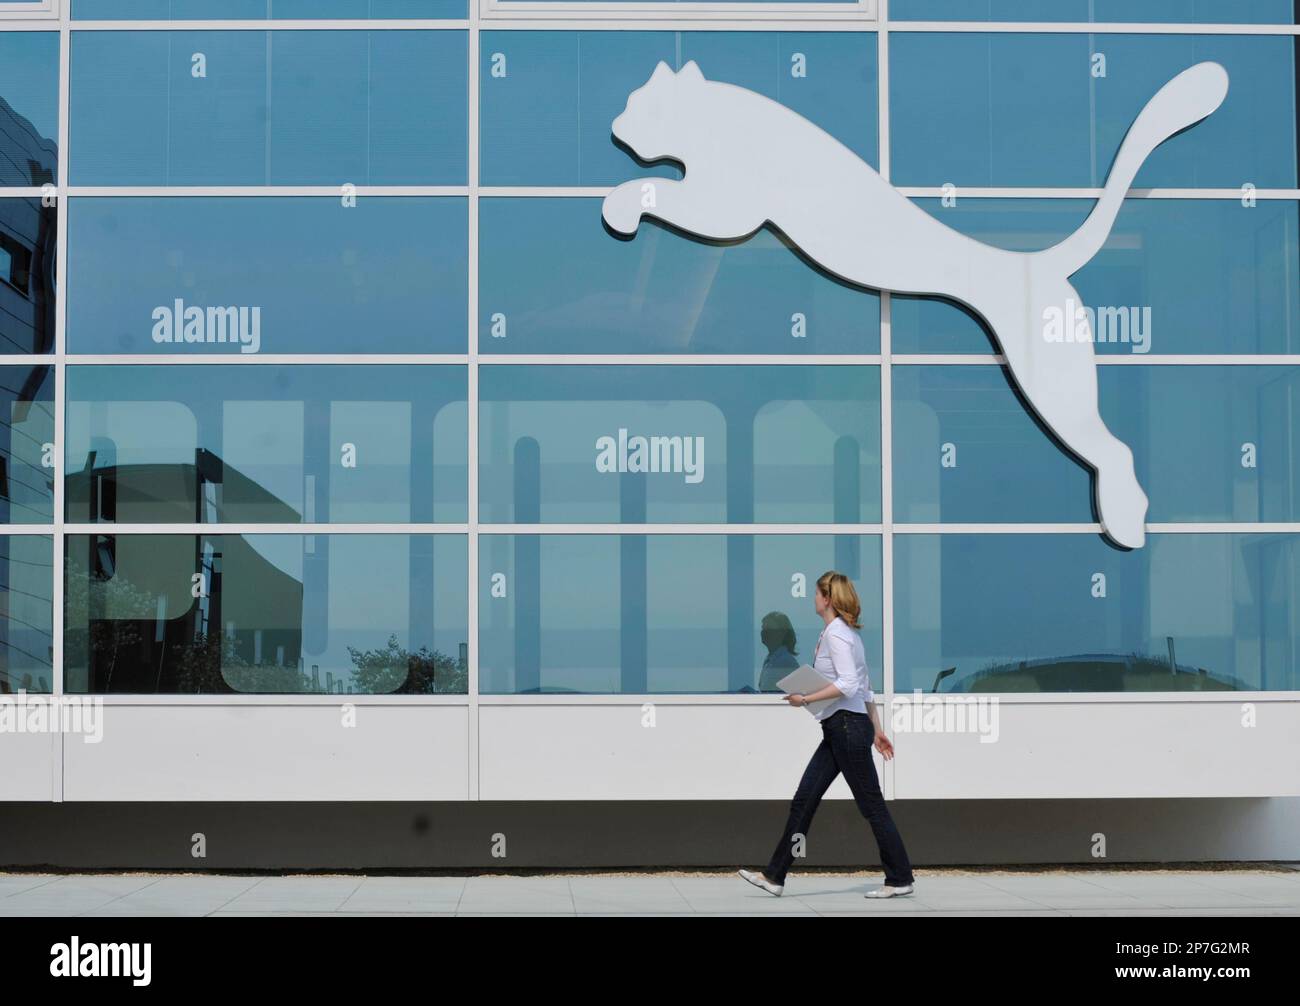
(547, 121)
(274, 108)
(1101, 11)
(1030, 112)
(386, 276)
(661, 613)
(779, 443)
(661, 292)
(980, 601)
(1187, 426)
(29, 78)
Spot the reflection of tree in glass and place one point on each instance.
(396, 670)
(99, 640)
(109, 625)
(211, 663)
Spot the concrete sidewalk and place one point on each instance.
(1264, 891)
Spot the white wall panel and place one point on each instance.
(272, 752)
(593, 751)
(1109, 749)
(28, 769)
(602, 752)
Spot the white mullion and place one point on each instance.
(673, 18)
(681, 359)
(58, 536)
(1113, 359)
(679, 20)
(235, 358)
(259, 191)
(243, 528)
(886, 415)
(1067, 192)
(1100, 28)
(613, 528)
(765, 699)
(633, 699)
(632, 360)
(600, 191)
(272, 24)
(472, 400)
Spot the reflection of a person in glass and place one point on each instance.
(850, 724)
(778, 636)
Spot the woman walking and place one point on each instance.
(849, 725)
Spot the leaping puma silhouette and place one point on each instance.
(751, 161)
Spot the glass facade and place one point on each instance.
(346, 389)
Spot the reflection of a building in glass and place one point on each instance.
(27, 235)
(1094, 672)
(135, 625)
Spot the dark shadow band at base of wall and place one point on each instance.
(635, 835)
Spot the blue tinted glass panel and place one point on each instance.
(679, 444)
(1100, 11)
(966, 450)
(1210, 444)
(266, 444)
(26, 613)
(250, 10)
(661, 613)
(1020, 613)
(281, 613)
(29, 107)
(26, 445)
(269, 108)
(549, 98)
(386, 276)
(1025, 109)
(1158, 286)
(553, 280)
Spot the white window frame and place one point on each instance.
(43, 9)
(665, 10)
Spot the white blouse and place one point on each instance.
(842, 660)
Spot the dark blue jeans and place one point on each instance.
(846, 747)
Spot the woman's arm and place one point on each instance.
(826, 692)
(882, 742)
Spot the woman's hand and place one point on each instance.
(795, 699)
(883, 745)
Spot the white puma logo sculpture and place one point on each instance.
(750, 161)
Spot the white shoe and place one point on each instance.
(889, 892)
(758, 880)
